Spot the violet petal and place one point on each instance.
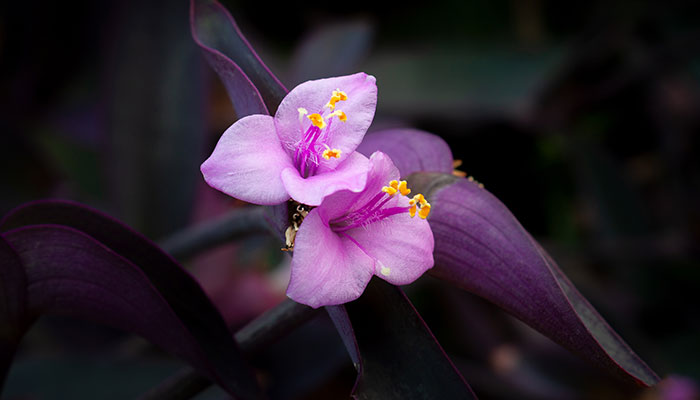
(85, 255)
(13, 300)
(480, 247)
(401, 359)
(245, 76)
(411, 150)
(247, 162)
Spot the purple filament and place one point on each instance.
(370, 213)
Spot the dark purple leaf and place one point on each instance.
(481, 248)
(411, 150)
(401, 359)
(253, 88)
(13, 301)
(99, 269)
(341, 320)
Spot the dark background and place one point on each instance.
(582, 118)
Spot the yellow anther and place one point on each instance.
(341, 115)
(403, 188)
(317, 120)
(424, 210)
(389, 190)
(419, 202)
(328, 153)
(338, 95)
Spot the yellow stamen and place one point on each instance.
(317, 120)
(392, 188)
(338, 95)
(403, 188)
(389, 190)
(418, 201)
(424, 210)
(328, 153)
(341, 115)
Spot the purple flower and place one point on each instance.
(352, 236)
(305, 152)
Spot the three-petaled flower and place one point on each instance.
(352, 236)
(306, 152)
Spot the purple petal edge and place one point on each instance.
(411, 150)
(481, 248)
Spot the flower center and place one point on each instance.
(375, 210)
(313, 147)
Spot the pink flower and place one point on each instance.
(306, 152)
(352, 236)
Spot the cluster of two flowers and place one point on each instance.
(361, 221)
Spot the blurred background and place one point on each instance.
(582, 118)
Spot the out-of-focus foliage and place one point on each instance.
(581, 118)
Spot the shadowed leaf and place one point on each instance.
(252, 87)
(13, 300)
(83, 263)
(480, 247)
(401, 359)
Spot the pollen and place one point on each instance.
(392, 188)
(389, 190)
(338, 95)
(403, 188)
(385, 271)
(420, 204)
(317, 120)
(328, 153)
(341, 115)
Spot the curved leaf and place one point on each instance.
(253, 88)
(411, 150)
(480, 247)
(13, 300)
(401, 359)
(62, 239)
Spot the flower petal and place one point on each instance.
(381, 171)
(350, 175)
(411, 150)
(403, 246)
(314, 95)
(326, 268)
(247, 162)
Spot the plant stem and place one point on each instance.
(235, 224)
(262, 331)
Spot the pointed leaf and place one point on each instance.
(91, 266)
(401, 359)
(480, 247)
(13, 300)
(411, 150)
(245, 76)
